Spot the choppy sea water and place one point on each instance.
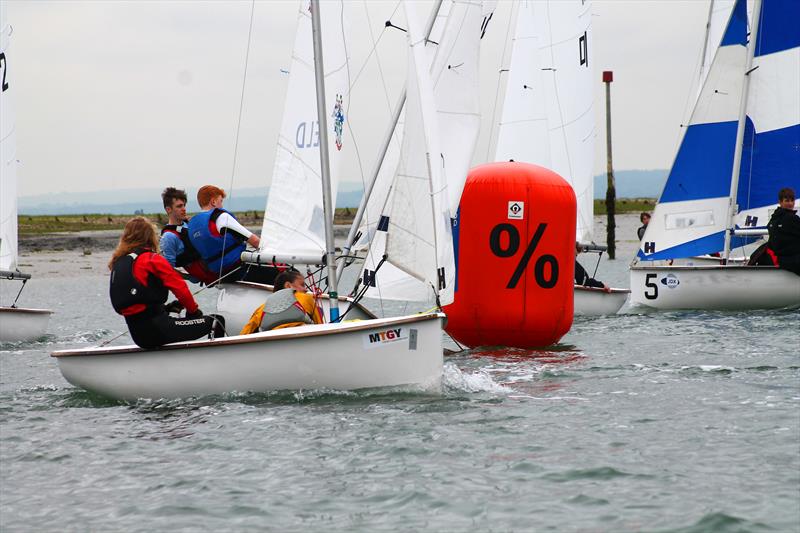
(684, 421)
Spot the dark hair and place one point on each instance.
(786, 193)
(287, 276)
(641, 217)
(171, 194)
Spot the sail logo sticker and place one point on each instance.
(516, 210)
(385, 337)
(671, 281)
(338, 121)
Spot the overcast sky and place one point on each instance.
(115, 94)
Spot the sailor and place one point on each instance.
(289, 306)
(582, 278)
(141, 280)
(175, 245)
(784, 233)
(644, 218)
(220, 239)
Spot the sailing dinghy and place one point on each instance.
(548, 116)
(17, 324)
(739, 149)
(400, 351)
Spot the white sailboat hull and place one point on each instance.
(591, 301)
(348, 356)
(18, 324)
(714, 287)
(237, 301)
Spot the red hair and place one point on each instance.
(208, 193)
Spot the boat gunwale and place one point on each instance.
(266, 287)
(27, 310)
(754, 268)
(265, 336)
(611, 290)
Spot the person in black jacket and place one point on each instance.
(784, 233)
(582, 277)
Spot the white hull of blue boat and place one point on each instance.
(237, 301)
(19, 324)
(590, 301)
(714, 287)
(389, 352)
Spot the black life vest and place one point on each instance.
(126, 291)
(189, 254)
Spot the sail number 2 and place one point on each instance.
(4, 68)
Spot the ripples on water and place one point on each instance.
(684, 421)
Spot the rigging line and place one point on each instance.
(238, 128)
(497, 91)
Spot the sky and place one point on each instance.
(114, 94)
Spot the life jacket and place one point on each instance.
(189, 259)
(220, 252)
(126, 291)
(282, 308)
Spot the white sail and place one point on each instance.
(419, 239)
(293, 219)
(718, 15)
(548, 116)
(8, 150)
(454, 63)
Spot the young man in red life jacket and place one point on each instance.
(140, 284)
(220, 239)
(175, 244)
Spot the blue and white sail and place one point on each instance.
(692, 213)
(771, 147)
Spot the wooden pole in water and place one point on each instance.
(611, 191)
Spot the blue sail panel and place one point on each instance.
(779, 26)
(709, 244)
(702, 168)
(736, 31)
(770, 162)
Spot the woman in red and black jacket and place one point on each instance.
(140, 284)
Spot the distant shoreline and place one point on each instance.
(54, 225)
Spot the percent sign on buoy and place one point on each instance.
(515, 239)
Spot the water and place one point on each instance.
(684, 421)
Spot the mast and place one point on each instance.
(739, 148)
(382, 154)
(327, 205)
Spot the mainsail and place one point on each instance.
(548, 116)
(8, 152)
(293, 219)
(691, 217)
(453, 74)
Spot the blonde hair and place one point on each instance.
(206, 193)
(138, 233)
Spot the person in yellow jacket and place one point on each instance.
(289, 306)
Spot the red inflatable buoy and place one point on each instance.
(514, 242)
